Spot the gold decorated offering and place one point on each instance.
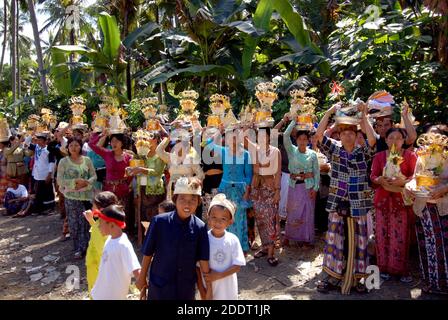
(426, 181)
(41, 127)
(134, 163)
(77, 120)
(45, 111)
(247, 115)
(114, 111)
(123, 113)
(262, 116)
(432, 155)
(100, 123)
(149, 112)
(152, 125)
(188, 106)
(302, 107)
(5, 133)
(104, 110)
(77, 106)
(33, 121)
(213, 121)
(304, 122)
(53, 121)
(219, 103)
(265, 93)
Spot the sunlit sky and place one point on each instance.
(41, 18)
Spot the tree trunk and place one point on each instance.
(128, 65)
(5, 32)
(40, 60)
(72, 42)
(13, 51)
(19, 89)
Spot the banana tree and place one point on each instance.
(104, 64)
(204, 49)
(296, 26)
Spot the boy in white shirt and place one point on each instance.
(118, 262)
(226, 254)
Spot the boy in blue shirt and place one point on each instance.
(175, 242)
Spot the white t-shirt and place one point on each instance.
(117, 265)
(224, 253)
(20, 192)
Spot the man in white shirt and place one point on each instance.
(16, 199)
(42, 173)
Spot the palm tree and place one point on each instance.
(13, 51)
(4, 14)
(40, 60)
(57, 20)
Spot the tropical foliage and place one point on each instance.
(132, 49)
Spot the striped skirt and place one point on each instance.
(432, 239)
(346, 262)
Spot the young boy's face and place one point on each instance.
(186, 205)
(219, 219)
(105, 227)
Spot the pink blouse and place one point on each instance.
(115, 170)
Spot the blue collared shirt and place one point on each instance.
(175, 246)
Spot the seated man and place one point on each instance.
(16, 199)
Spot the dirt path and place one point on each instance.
(33, 264)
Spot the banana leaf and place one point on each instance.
(111, 36)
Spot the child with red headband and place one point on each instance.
(97, 240)
(119, 262)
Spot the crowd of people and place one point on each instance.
(196, 219)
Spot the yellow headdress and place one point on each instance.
(188, 105)
(149, 110)
(219, 103)
(265, 93)
(303, 108)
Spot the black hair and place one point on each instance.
(122, 138)
(167, 206)
(266, 129)
(299, 133)
(105, 199)
(79, 131)
(401, 130)
(114, 211)
(73, 139)
(363, 134)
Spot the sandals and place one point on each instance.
(361, 288)
(326, 286)
(273, 261)
(260, 254)
(406, 279)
